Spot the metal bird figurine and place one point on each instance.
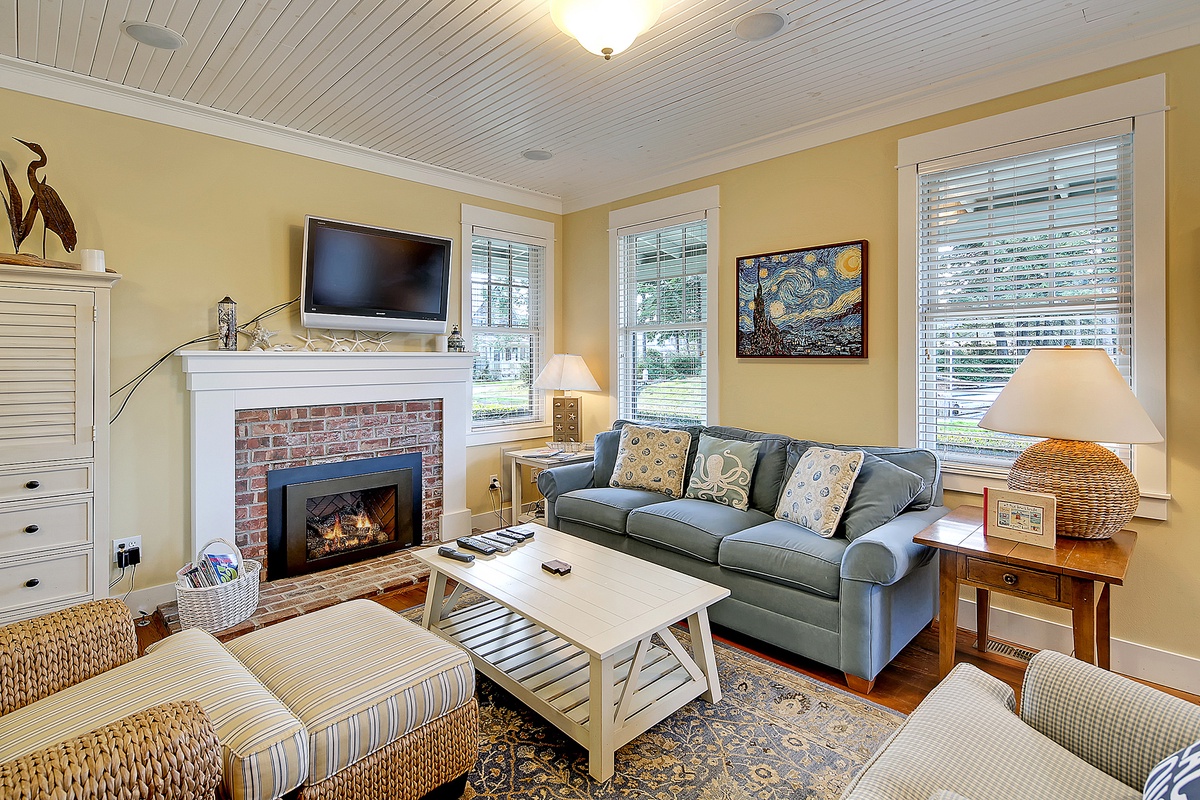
(46, 201)
(13, 204)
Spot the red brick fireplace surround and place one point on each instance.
(298, 436)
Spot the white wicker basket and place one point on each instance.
(215, 608)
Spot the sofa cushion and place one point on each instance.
(771, 468)
(359, 677)
(652, 458)
(815, 495)
(606, 507)
(786, 554)
(692, 527)
(722, 472)
(605, 456)
(881, 491)
(264, 747)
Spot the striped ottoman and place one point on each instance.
(389, 707)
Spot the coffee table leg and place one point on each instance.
(601, 721)
(702, 645)
(433, 599)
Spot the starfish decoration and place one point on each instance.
(310, 342)
(381, 342)
(260, 337)
(338, 343)
(358, 342)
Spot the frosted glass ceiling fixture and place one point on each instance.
(605, 27)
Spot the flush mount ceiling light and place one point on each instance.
(538, 155)
(605, 27)
(153, 35)
(759, 27)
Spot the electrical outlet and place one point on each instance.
(123, 544)
(494, 482)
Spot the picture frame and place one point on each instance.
(808, 302)
(1025, 517)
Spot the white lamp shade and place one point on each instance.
(566, 372)
(1070, 393)
(602, 25)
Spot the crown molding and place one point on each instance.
(965, 91)
(83, 90)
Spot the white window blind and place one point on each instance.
(1018, 250)
(507, 327)
(663, 323)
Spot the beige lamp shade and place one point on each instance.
(1070, 393)
(566, 372)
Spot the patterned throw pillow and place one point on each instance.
(814, 497)
(722, 471)
(651, 458)
(1177, 777)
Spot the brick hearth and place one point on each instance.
(278, 438)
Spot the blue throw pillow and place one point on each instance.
(1176, 777)
(881, 491)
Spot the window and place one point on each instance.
(507, 271)
(664, 254)
(1029, 243)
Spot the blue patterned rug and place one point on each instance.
(775, 734)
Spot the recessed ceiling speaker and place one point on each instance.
(153, 35)
(538, 155)
(760, 26)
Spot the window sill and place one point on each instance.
(972, 480)
(502, 434)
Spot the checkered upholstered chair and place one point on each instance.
(1082, 733)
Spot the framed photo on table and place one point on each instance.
(1026, 517)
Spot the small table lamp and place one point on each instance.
(1075, 397)
(566, 372)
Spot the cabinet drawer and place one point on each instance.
(39, 526)
(1008, 578)
(28, 483)
(45, 580)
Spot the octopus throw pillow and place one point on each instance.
(722, 471)
(815, 495)
(653, 459)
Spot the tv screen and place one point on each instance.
(359, 277)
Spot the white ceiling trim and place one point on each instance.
(896, 111)
(83, 90)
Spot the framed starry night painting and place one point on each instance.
(805, 303)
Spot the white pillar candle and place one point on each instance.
(92, 260)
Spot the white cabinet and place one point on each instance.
(54, 473)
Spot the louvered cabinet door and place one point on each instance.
(47, 357)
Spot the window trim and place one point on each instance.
(701, 203)
(1143, 100)
(529, 231)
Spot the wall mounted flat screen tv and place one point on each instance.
(360, 277)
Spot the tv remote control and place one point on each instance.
(450, 552)
(506, 537)
(478, 545)
(517, 533)
(497, 543)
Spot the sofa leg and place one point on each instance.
(857, 684)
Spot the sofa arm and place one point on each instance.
(41, 656)
(1117, 725)
(554, 483)
(167, 751)
(888, 553)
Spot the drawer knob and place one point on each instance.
(32, 529)
(32, 582)
(1010, 579)
(33, 484)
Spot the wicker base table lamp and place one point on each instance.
(1075, 397)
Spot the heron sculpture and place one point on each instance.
(19, 225)
(46, 201)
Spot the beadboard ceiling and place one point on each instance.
(467, 85)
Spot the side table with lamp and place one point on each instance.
(1072, 397)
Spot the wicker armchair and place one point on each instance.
(166, 751)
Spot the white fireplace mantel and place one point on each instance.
(223, 383)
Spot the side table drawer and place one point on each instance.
(1007, 578)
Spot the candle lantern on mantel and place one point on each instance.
(227, 324)
(455, 342)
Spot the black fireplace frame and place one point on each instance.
(288, 560)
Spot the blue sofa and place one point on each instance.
(850, 604)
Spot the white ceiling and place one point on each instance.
(467, 85)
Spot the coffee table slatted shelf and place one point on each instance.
(567, 645)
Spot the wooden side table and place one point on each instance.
(1065, 577)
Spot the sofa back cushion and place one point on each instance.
(772, 466)
(605, 459)
(924, 463)
(881, 492)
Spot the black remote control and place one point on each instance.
(518, 533)
(507, 537)
(497, 543)
(450, 552)
(478, 545)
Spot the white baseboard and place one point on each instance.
(1128, 658)
(487, 522)
(144, 601)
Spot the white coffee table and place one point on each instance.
(567, 645)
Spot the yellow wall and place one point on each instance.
(188, 218)
(847, 190)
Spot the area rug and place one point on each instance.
(776, 734)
